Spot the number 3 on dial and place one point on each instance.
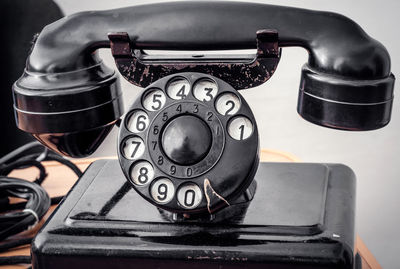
(205, 90)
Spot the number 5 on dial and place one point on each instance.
(154, 100)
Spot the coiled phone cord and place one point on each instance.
(18, 217)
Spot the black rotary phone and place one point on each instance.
(189, 144)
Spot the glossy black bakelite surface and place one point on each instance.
(302, 216)
(189, 144)
(346, 83)
(186, 140)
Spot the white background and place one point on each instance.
(373, 155)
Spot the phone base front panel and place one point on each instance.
(301, 216)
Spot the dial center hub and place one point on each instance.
(186, 140)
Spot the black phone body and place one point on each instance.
(189, 144)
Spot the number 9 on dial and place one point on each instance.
(162, 191)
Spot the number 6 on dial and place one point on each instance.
(138, 121)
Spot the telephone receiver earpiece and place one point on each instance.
(69, 100)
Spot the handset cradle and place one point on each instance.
(240, 71)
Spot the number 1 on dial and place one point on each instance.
(240, 128)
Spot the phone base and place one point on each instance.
(302, 216)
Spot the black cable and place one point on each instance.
(6, 169)
(15, 243)
(17, 217)
(10, 260)
(38, 202)
(19, 151)
(51, 156)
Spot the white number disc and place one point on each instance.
(240, 128)
(133, 148)
(189, 196)
(137, 121)
(142, 173)
(178, 88)
(154, 100)
(162, 190)
(205, 90)
(227, 104)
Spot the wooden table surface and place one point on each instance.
(61, 179)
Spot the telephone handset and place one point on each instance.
(346, 83)
(189, 144)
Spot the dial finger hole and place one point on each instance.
(133, 148)
(189, 196)
(154, 100)
(142, 173)
(178, 88)
(205, 90)
(240, 128)
(137, 122)
(162, 190)
(228, 104)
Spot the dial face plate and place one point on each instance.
(189, 143)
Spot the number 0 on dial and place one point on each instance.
(189, 196)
